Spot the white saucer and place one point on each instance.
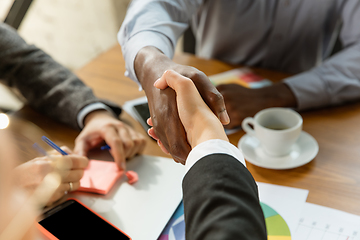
(303, 151)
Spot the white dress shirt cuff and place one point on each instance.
(133, 46)
(90, 108)
(212, 146)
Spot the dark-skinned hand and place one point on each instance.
(243, 102)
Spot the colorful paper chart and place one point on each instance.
(242, 76)
(276, 226)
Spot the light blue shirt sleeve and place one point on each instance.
(277, 35)
(212, 146)
(336, 80)
(153, 23)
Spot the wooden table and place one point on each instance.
(333, 177)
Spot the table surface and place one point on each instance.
(332, 178)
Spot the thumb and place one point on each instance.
(183, 86)
(81, 147)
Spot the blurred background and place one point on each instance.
(73, 32)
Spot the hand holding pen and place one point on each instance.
(30, 174)
(131, 175)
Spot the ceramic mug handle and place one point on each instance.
(245, 126)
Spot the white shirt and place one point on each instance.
(212, 147)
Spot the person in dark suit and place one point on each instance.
(219, 193)
(53, 90)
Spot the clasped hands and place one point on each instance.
(198, 120)
(229, 101)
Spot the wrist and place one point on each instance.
(279, 95)
(96, 114)
(210, 128)
(149, 65)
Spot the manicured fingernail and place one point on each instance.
(156, 82)
(224, 117)
(148, 121)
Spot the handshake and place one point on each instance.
(199, 122)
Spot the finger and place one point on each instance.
(162, 147)
(161, 83)
(178, 146)
(175, 81)
(223, 87)
(60, 162)
(75, 186)
(70, 162)
(112, 138)
(62, 189)
(82, 146)
(151, 133)
(211, 95)
(138, 140)
(65, 186)
(167, 125)
(127, 141)
(79, 162)
(149, 122)
(53, 152)
(143, 145)
(72, 175)
(184, 87)
(66, 149)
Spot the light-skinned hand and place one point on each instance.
(101, 126)
(198, 120)
(71, 168)
(17, 214)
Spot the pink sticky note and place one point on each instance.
(132, 177)
(99, 177)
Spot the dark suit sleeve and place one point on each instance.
(221, 201)
(49, 87)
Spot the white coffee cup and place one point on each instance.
(277, 129)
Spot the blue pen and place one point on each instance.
(106, 147)
(53, 145)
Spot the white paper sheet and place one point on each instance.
(286, 201)
(323, 223)
(143, 209)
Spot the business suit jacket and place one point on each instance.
(47, 86)
(221, 201)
